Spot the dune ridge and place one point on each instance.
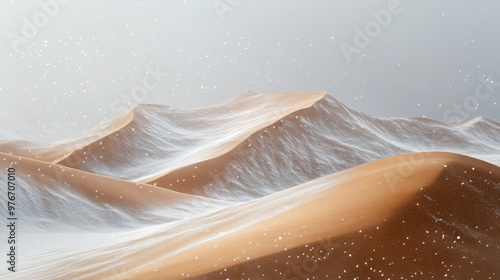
(165, 138)
(343, 138)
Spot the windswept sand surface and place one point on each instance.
(164, 139)
(279, 186)
(236, 145)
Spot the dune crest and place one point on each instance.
(342, 138)
(56, 151)
(165, 138)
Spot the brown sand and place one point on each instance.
(450, 229)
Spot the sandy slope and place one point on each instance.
(450, 229)
(395, 216)
(56, 198)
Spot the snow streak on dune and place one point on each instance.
(278, 186)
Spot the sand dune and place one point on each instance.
(422, 220)
(279, 186)
(251, 144)
(342, 138)
(164, 138)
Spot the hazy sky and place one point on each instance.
(67, 65)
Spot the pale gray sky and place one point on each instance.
(89, 54)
